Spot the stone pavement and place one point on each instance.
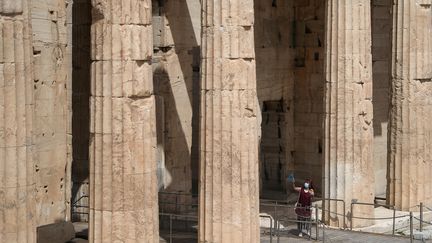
(289, 235)
(337, 236)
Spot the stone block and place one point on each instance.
(55, 233)
(11, 6)
(121, 42)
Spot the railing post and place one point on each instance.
(278, 232)
(352, 216)
(394, 220)
(316, 221)
(176, 204)
(270, 224)
(274, 216)
(411, 227)
(421, 217)
(271, 233)
(170, 228)
(323, 211)
(344, 214)
(323, 233)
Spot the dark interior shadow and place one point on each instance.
(381, 81)
(81, 63)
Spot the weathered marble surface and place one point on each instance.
(410, 138)
(348, 133)
(17, 181)
(52, 111)
(229, 126)
(123, 191)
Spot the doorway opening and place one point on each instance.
(272, 148)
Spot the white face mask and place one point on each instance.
(306, 185)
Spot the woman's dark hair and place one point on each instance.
(310, 184)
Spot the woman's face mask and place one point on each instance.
(306, 185)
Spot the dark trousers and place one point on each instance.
(303, 225)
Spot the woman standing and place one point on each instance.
(304, 202)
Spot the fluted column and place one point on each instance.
(229, 148)
(123, 183)
(348, 171)
(410, 139)
(17, 188)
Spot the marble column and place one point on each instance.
(17, 184)
(348, 172)
(229, 181)
(410, 130)
(123, 180)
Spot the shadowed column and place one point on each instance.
(123, 182)
(410, 130)
(229, 179)
(348, 173)
(17, 184)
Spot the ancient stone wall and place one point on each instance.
(308, 37)
(272, 43)
(274, 90)
(52, 74)
(381, 58)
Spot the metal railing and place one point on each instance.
(176, 199)
(271, 223)
(182, 204)
(393, 218)
(278, 205)
(76, 206)
(335, 213)
(176, 216)
(276, 220)
(309, 222)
